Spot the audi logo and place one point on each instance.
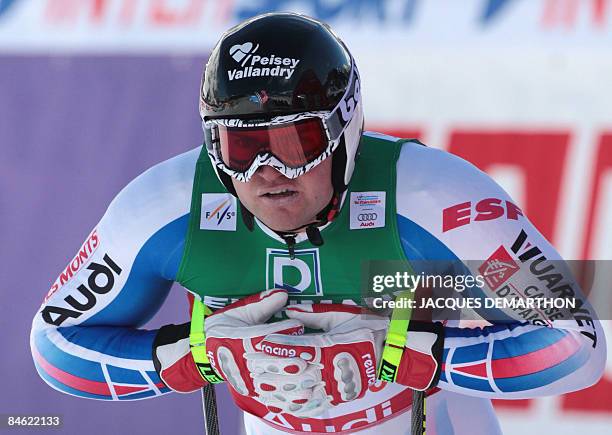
(364, 217)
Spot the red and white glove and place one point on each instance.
(231, 333)
(342, 361)
(173, 360)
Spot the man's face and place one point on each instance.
(282, 203)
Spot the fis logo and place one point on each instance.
(218, 212)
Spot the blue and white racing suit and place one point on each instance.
(86, 339)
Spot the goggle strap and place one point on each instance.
(334, 125)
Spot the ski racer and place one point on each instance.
(268, 224)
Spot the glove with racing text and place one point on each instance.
(342, 361)
(231, 333)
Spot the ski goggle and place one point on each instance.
(292, 144)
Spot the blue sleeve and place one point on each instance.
(85, 337)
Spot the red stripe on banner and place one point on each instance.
(522, 404)
(527, 151)
(593, 399)
(536, 361)
(81, 384)
(595, 208)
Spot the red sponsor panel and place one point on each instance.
(540, 156)
(592, 399)
(600, 166)
(397, 131)
(521, 404)
(597, 397)
(567, 13)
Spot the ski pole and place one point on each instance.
(392, 355)
(197, 344)
(209, 406)
(418, 413)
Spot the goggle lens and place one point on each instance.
(295, 144)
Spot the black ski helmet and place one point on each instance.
(280, 64)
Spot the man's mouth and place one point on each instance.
(279, 193)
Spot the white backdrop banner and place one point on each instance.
(194, 25)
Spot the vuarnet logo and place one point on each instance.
(254, 65)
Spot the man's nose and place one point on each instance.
(268, 173)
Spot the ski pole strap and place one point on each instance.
(197, 342)
(396, 338)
